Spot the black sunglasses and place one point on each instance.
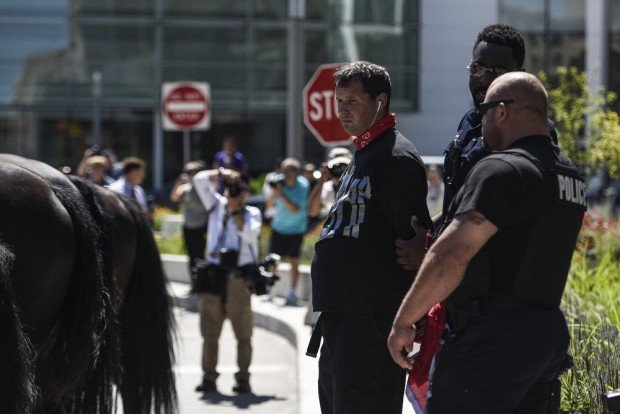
(485, 106)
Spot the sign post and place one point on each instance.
(320, 108)
(186, 106)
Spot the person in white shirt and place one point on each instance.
(233, 227)
(129, 185)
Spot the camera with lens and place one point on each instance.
(229, 258)
(261, 277)
(336, 170)
(278, 179)
(337, 166)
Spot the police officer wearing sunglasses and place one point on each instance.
(501, 266)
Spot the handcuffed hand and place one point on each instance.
(400, 343)
(410, 253)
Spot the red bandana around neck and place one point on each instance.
(378, 128)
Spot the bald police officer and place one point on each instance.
(518, 214)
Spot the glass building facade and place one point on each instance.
(613, 67)
(51, 49)
(553, 30)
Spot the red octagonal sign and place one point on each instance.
(320, 110)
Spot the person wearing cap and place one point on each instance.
(290, 221)
(195, 217)
(323, 194)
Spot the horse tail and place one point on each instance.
(148, 328)
(18, 392)
(72, 370)
(97, 391)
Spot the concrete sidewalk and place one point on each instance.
(272, 315)
(287, 321)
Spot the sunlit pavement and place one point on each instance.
(273, 369)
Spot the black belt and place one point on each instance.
(315, 340)
(459, 317)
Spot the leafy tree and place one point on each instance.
(571, 103)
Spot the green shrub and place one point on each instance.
(591, 303)
(171, 245)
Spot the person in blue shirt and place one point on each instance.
(290, 221)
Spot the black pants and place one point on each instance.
(356, 373)
(501, 362)
(195, 243)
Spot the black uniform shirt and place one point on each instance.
(465, 150)
(354, 268)
(512, 192)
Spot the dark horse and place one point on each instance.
(83, 300)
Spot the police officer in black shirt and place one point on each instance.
(518, 213)
(498, 49)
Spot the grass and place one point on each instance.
(591, 303)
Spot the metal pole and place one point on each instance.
(295, 75)
(96, 76)
(158, 136)
(186, 146)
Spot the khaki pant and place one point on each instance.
(212, 314)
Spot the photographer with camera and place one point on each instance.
(232, 246)
(290, 220)
(323, 194)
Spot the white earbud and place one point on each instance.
(379, 105)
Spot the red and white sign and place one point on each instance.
(186, 106)
(320, 109)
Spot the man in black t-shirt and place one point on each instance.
(357, 284)
(518, 214)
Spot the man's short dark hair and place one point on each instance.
(504, 35)
(375, 79)
(132, 163)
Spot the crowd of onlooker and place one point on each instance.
(297, 197)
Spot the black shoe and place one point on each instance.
(242, 387)
(207, 385)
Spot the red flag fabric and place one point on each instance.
(423, 363)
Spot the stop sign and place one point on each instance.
(186, 106)
(320, 110)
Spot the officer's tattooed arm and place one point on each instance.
(471, 216)
(441, 273)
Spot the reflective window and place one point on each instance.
(38, 6)
(553, 30)
(567, 15)
(211, 8)
(33, 56)
(270, 8)
(526, 15)
(49, 50)
(269, 43)
(196, 41)
(107, 40)
(114, 7)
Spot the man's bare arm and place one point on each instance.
(442, 271)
